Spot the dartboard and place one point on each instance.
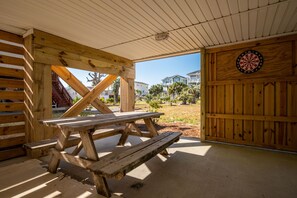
(249, 61)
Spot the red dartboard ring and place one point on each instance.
(249, 61)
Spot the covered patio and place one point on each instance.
(193, 169)
(248, 88)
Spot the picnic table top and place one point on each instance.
(93, 122)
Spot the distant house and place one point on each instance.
(108, 92)
(142, 87)
(194, 78)
(166, 82)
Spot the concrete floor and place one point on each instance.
(193, 169)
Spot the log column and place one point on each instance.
(127, 91)
(38, 100)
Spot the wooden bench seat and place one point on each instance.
(116, 165)
(41, 148)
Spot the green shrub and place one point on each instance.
(102, 99)
(109, 100)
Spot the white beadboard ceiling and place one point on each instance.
(128, 27)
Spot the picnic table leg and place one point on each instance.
(125, 135)
(153, 131)
(60, 146)
(90, 149)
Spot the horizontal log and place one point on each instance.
(12, 153)
(11, 83)
(11, 117)
(11, 49)
(12, 140)
(11, 37)
(7, 130)
(45, 39)
(78, 62)
(253, 117)
(252, 81)
(11, 60)
(13, 95)
(12, 106)
(9, 72)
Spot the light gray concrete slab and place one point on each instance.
(195, 169)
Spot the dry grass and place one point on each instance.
(187, 114)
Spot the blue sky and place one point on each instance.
(152, 72)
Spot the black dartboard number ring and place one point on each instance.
(249, 61)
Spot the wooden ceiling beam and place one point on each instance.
(54, 50)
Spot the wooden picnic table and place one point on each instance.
(101, 168)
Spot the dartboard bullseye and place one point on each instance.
(249, 61)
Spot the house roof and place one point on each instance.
(127, 28)
(173, 77)
(194, 72)
(141, 83)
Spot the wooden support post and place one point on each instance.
(202, 94)
(89, 97)
(73, 82)
(124, 135)
(89, 146)
(37, 87)
(127, 94)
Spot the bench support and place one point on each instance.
(60, 146)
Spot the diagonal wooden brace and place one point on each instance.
(78, 107)
(74, 83)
